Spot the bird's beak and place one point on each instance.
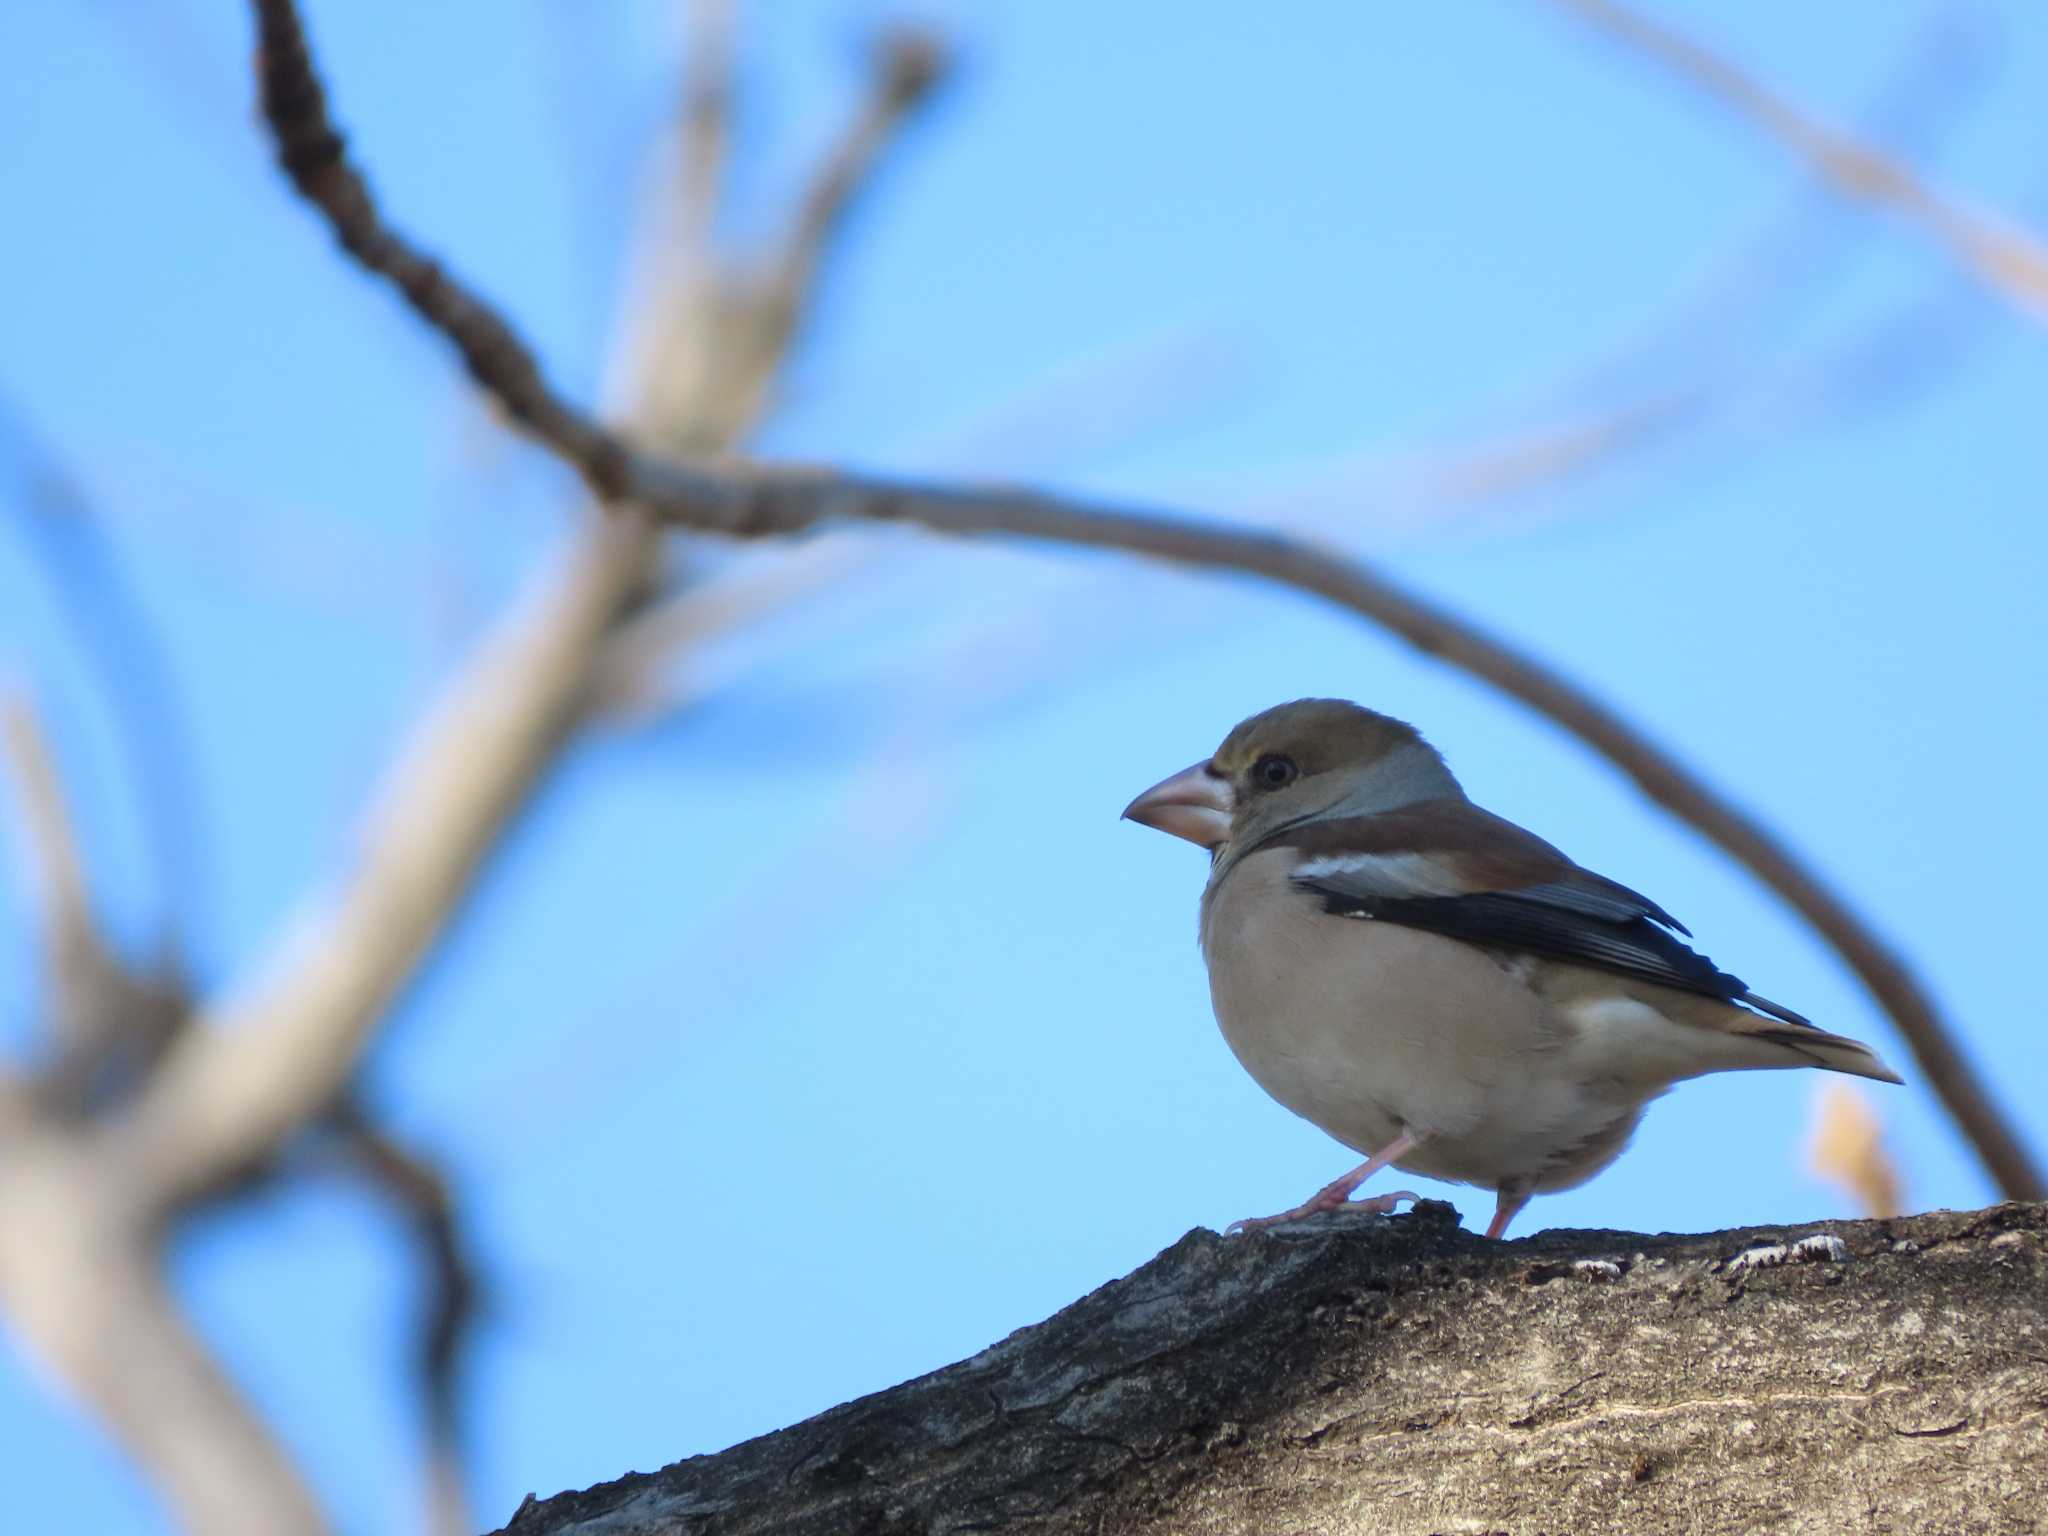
(1195, 804)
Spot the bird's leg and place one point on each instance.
(1509, 1199)
(1336, 1196)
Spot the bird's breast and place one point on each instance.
(1365, 1027)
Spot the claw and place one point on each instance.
(1377, 1205)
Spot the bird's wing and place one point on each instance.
(1449, 867)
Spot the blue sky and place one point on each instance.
(833, 1027)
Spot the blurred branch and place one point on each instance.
(278, 1054)
(706, 119)
(2006, 259)
(716, 342)
(74, 954)
(629, 685)
(1847, 1147)
(82, 1284)
(1552, 454)
(759, 501)
(108, 1023)
(676, 311)
(88, 1205)
(448, 1316)
(715, 336)
(1698, 384)
(1747, 302)
(907, 66)
(274, 1056)
(114, 632)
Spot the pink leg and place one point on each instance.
(1336, 1196)
(1505, 1204)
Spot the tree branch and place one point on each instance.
(706, 119)
(80, 1281)
(630, 685)
(75, 958)
(271, 1058)
(1403, 1377)
(2007, 260)
(313, 154)
(908, 65)
(277, 1053)
(113, 631)
(109, 1023)
(715, 342)
(87, 1203)
(448, 1314)
(761, 501)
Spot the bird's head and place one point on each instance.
(1295, 763)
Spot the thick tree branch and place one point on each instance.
(2007, 260)
(762, 501)
(81, 1283)
(1352, 1374)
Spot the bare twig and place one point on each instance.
(311, 151)
(108, 1023)
(677, 309)
(448, 1313)
(706, 119)
(718, 339)
(908, 65)
(117, 638)
(764, 501)
(1709, 360)
(630, 684)
(2008, 260)
(708, 344)
(71, 938)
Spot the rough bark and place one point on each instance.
(1358, 1374)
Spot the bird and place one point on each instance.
(1432, 985)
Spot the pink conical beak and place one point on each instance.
(1195, 804)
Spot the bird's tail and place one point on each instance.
(1837, 1053)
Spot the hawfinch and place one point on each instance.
(1435, 987)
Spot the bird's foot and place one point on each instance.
(1332, 1199)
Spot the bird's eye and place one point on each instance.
(1274, 771)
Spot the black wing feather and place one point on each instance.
(1597, 897)
(1630, 945)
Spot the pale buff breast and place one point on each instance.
(1364, 1027)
